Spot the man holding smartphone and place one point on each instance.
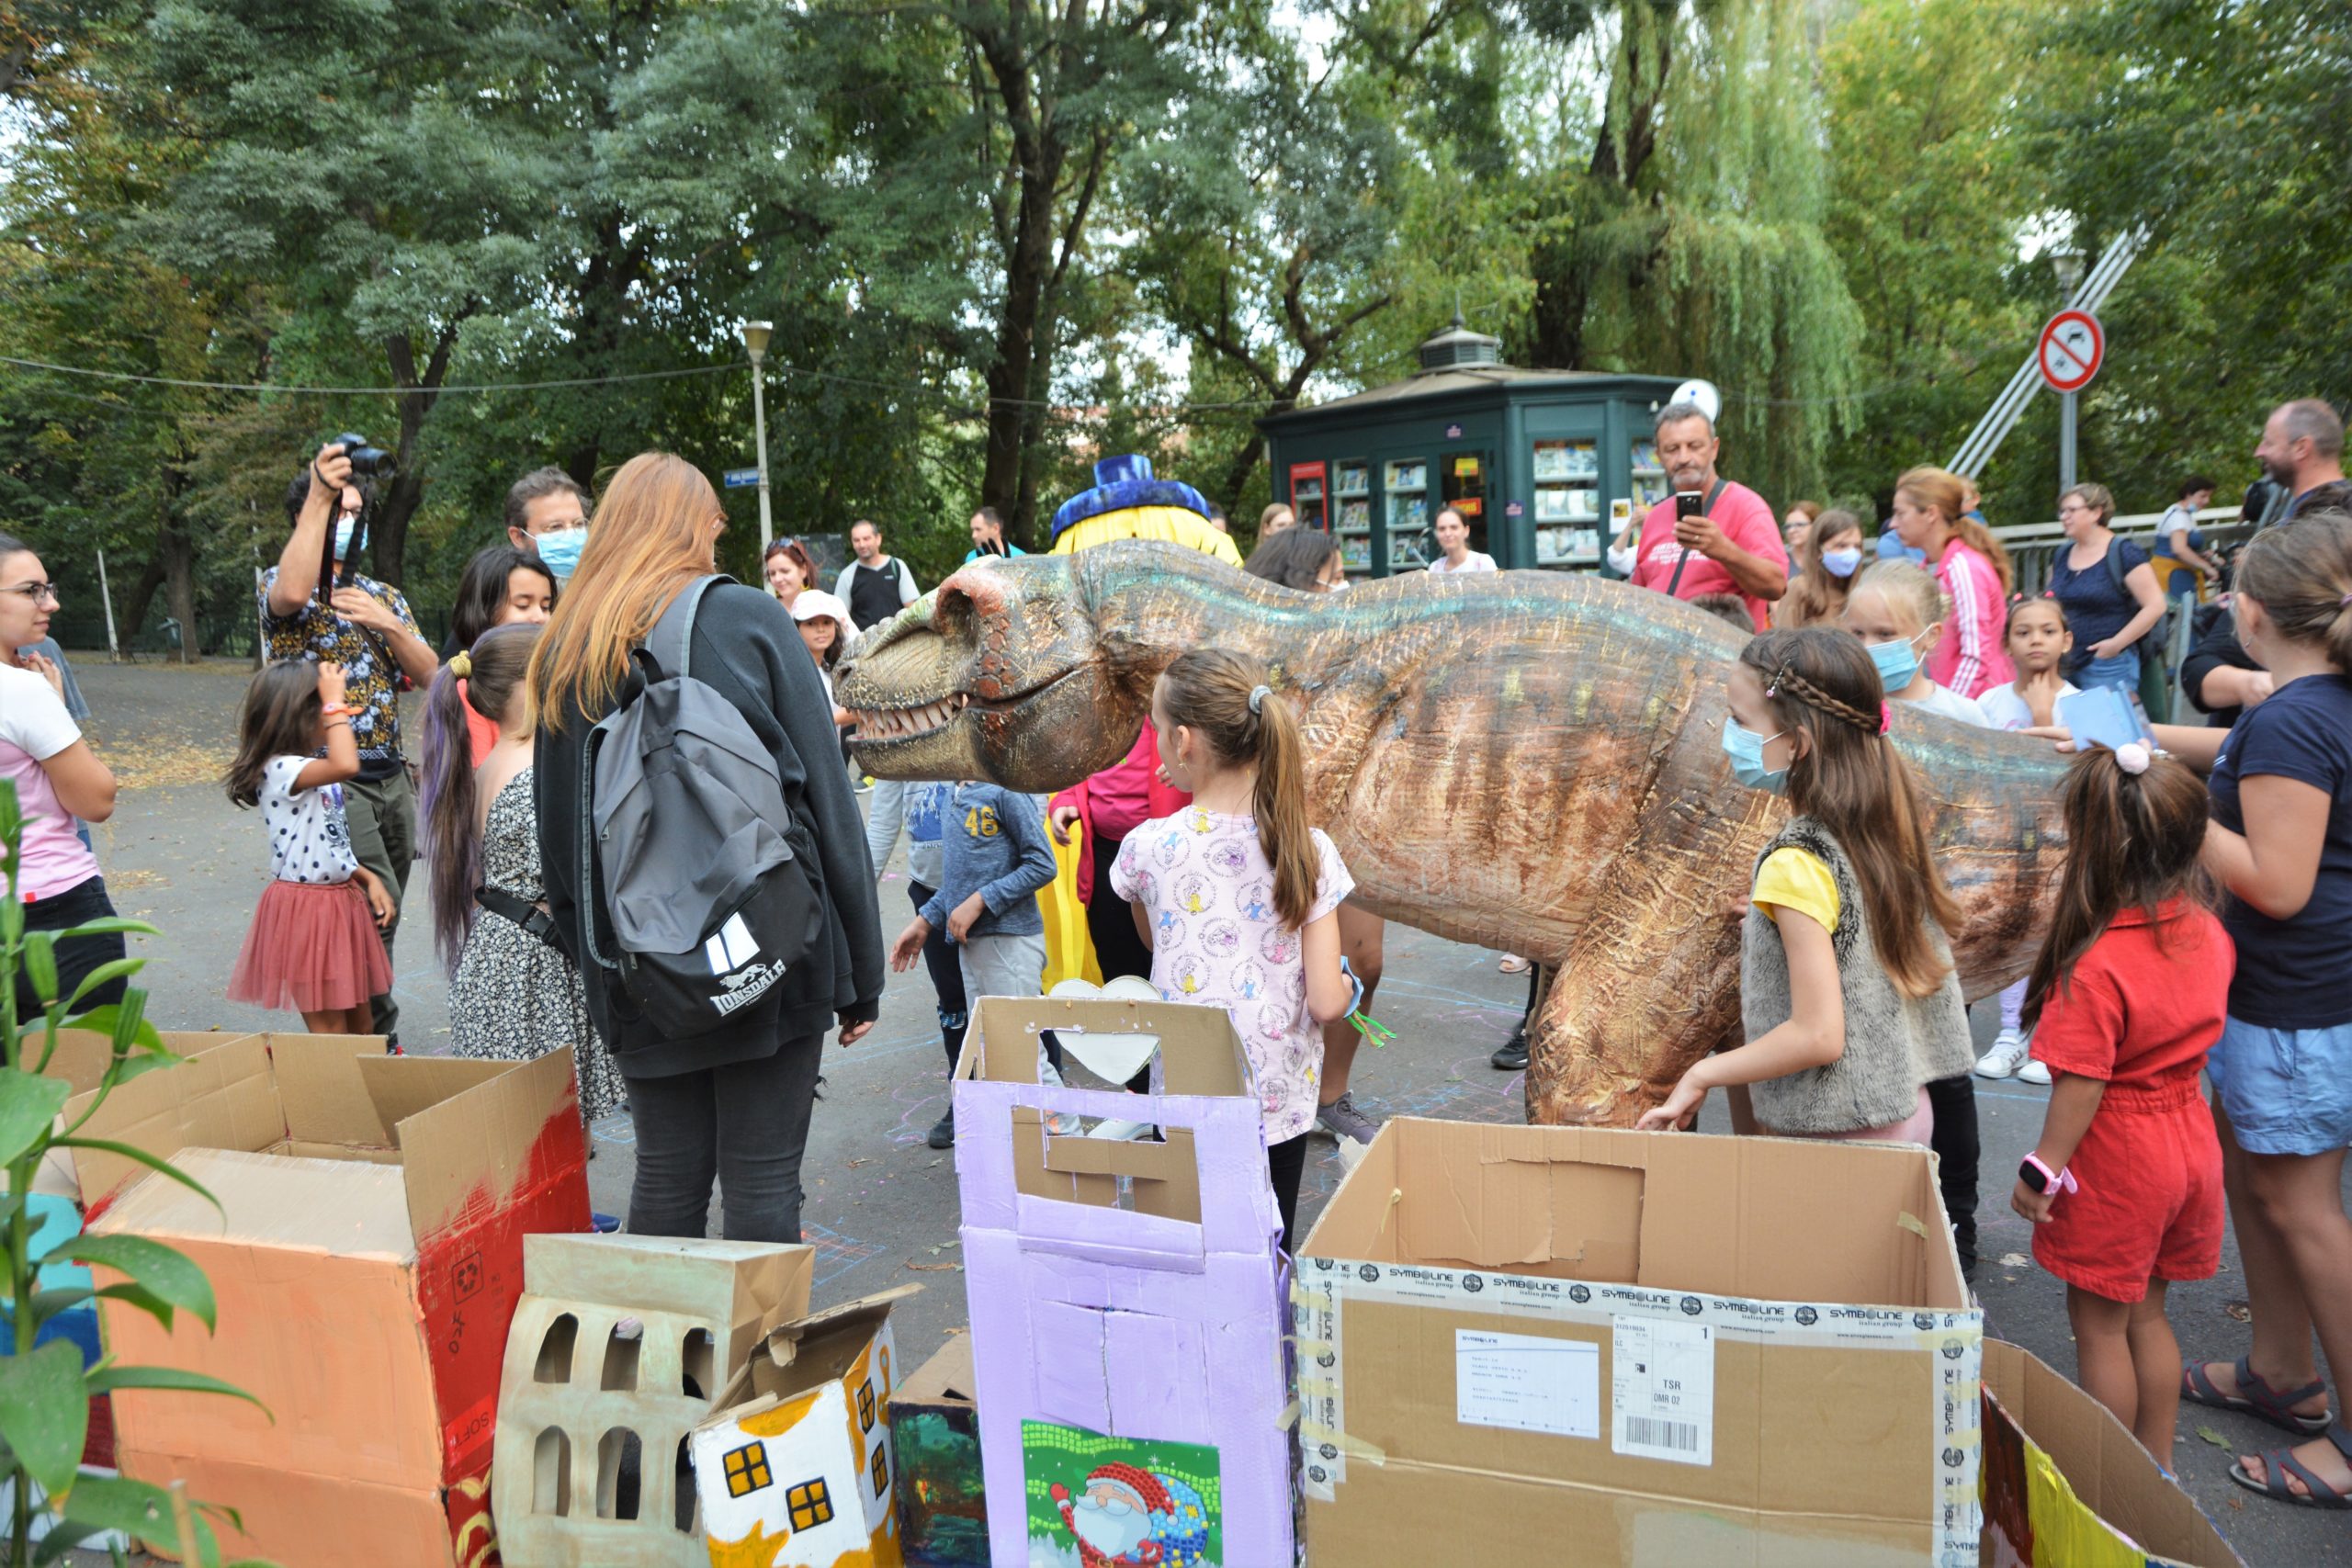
(1711, 536)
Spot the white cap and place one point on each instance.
(815, 601)
(1703, 394)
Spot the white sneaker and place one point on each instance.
(2034, 1072)
(2007, 1057)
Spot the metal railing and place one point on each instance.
(2033, 545)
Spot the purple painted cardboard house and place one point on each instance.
(1126, 1297)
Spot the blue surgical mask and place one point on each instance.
(342, 532)
(1745, 749)
(1897, 662)
(562, 550)
(1841, 563)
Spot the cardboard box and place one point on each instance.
(2067, 1485)
(620, 1346)
(1669, 1349)
(366, 1257)
(795, 1471)
(935, 1433)
(1127, 1298)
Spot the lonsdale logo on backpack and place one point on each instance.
(695, 903)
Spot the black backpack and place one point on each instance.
(692, 900)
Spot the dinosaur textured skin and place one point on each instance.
(1524, 761)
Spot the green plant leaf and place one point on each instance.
(40, 964)
(112, 925)
(28, 1107)
(63, 1537)
(44, 1413)
(113, 969)
(142, 1297)
(160, 1270)
(138, 1156)
(107, 1379)
(130, 1067)
(125, 1023)
(48, 1303)
(118, 1503)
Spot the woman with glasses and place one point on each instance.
(58, 778)
(2108, 589)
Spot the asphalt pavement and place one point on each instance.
(882, 1207)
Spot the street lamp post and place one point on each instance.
(755, 340)
(2068, 266)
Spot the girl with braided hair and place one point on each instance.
(1848, 994)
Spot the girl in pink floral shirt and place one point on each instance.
(1235, 894)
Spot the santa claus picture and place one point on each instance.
(1126, 1518)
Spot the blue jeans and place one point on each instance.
(2122, 672)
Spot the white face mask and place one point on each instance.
(1623, 560)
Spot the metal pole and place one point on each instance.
(760, 433)
(2065, 442)
(106, 597)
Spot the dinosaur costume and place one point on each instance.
(1519, 760)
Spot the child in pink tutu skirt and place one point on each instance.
(313, 946)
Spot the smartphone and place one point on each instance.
(2105, 717)
(1690, 502)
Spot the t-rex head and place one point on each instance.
(999, 673)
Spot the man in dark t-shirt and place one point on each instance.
(875, 586)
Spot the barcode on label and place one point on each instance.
(1651, 1433)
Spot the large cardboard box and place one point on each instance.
(1664, 1348)
(366, 1257)
(2066, 1484)
(1127, 1298)
(796, 1470)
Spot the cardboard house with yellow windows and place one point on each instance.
(796, 1470)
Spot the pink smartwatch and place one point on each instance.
(2036, 1173)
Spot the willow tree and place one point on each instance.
(1677, 227)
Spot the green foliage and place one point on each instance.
(44, 1390)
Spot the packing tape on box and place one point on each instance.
(1320, 1285)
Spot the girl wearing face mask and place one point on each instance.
(1848, 994)
(1826, 563)
(1899, 613)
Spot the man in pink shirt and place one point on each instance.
(1732, 547)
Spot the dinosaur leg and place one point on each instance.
(1640, 995)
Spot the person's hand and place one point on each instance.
(46, 668)
(2040, 691)
(2107, 647)
(2257, 686)
(1698, 533)
(362, 608)
(330, 686)
(2031, 1206)
(959, 923)
(380, 897)
(1058, 824)
(2059, 733)
(1681, 1110)
(330, 471)
(1732, 906)
(908, 947)
(853, 1032)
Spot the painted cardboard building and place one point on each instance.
(621, 1347)
(365, 1256)
(935, 1432)
(1127, 1298)
(797, 1471)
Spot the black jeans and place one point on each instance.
(746, 1124)
(1111, 921)
(1285, 1163)
(381, 814)
(1953, 1101)
(83, 901)
(946, 980)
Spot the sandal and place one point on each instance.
(2278, 1464)
(1512, 964)
(2256, 1398)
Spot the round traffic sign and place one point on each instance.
(2071, 348)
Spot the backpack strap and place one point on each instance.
(670, 641)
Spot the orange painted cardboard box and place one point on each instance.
(366, 1265)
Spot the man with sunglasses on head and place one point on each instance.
(319, 608)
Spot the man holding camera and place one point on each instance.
(320, 608)
(1711, 536)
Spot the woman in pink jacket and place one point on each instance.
(1930, 514)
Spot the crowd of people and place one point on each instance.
(2202, 923)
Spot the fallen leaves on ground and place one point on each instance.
(124, 881)
(2239, 1310)
(2212, 1436)
(166, 764)
(936, 1268)
(2015, 1260)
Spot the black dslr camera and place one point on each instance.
(367, 461)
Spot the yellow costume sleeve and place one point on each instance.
(1796, 879)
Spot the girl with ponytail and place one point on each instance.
(513, 994)
(1236, 896)
(2124, 1188)
(2282, 844)
(1848, 993)
(1931, 515)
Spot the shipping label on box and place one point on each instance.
(1127, 1298)
(1681, 1424)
